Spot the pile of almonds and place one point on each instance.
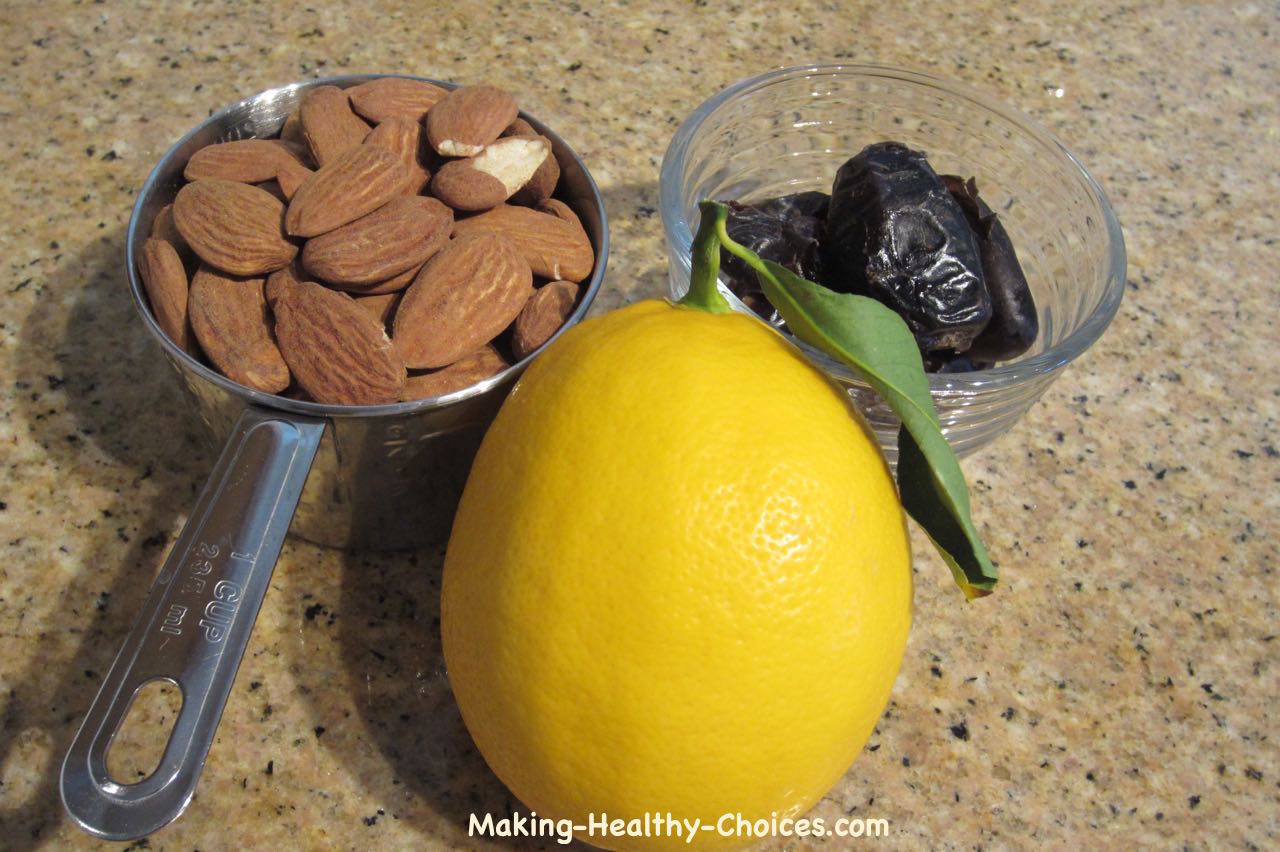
(397, 241)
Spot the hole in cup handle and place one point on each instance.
(194, 626)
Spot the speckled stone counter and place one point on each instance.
(1120, 688)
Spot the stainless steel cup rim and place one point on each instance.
(153, 184)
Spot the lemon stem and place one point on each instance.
(722, 234)
(703, 293)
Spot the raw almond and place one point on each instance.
(492, 176)
(403, 138)
(397, 236)
(165, 280)
(163, 228)
(553, 247)
(338, 352)
(519, 127)
(382, 306)
(244, 160)
(469, 292)
(330, 127)
(290, 176)
(278, 282)
(291, 130)
(233, 226)
(465, 120)
(394, 284)
(229, 318)
(463, 187)
(563, 212)
(394, 97)
(543, 182)
(358, 182)
(463, 373)
(542, 316)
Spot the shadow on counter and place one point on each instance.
(96, 394)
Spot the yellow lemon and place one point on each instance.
(679, 578)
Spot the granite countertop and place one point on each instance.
(1119, 689)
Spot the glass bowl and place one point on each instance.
(789, 130)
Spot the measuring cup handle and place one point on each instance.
(194, 626)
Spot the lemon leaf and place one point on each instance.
(872, 339)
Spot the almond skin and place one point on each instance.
(233, 226)
(543, 183)
(404, 138)
(556, 207)
(554, 248)
(519, 127)
(357, 183)
(290, 176)
(329, 125)
(463, 373)
(278, 282)
(394, 284)
(163, 228)
(165, 280)
(382, 306)
(467, 119)
(230, 320)
(492, 176)
(338, 352)
(469, 292)
(394, 97)
(542, 316)
(463, 187)
(399, 235)
(291, 130)
(244, 160)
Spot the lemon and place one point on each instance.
(678, 580)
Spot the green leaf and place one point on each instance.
(873, 340)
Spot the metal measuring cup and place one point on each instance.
(380, 476)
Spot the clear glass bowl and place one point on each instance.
(790, 130)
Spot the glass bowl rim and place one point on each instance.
(679, 233)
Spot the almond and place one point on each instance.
(397, 236)
(394, 284)
(165, 280)
(467, 119)
(463, 187)
(394, 97)
(403, 138)
(330, 127)
(244, 160)
(553, 248)
(233, 226)
(463, 373)
(338, 352)
(381, 306)
(492, 176)
(542, 316)
(358, 182)
(543, 183)
(278, 282)
(290, 176)
(291, 130)
(563, 212)
(469, 292)
(519, 127)
(229, 318)
(164, 228)
(272, 188)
